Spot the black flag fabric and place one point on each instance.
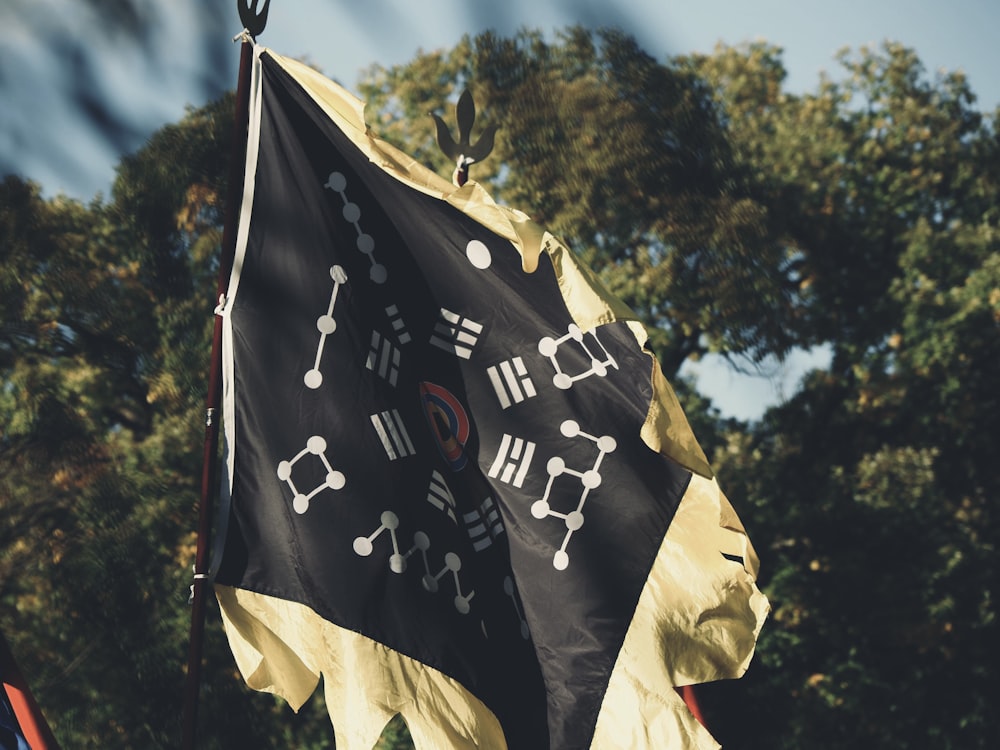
(458, 486)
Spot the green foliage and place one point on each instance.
(106, 315)
(734, 216)
(872, 488)
(849, 171)
(627, 160)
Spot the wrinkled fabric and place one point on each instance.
(487, 511)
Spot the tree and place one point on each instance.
(627, 160)
(106, 314)
(872, 483)
(874, 220)
(734, 216)
(849, 171)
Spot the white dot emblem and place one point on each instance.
(478, 254)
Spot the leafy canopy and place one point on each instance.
(734, 216)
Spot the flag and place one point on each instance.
(11, 736)
(458, 486)
(22, 725)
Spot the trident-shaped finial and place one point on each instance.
(463, 152)
(252, 21)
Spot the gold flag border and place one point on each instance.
(697, 620)
(698, 615)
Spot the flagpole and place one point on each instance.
(211, 444)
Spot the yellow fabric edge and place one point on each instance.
(697, 620)
(666, 429)
(365, 682)
(711, 638)
(347, 113)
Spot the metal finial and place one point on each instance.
(253, 21)
(463, 152)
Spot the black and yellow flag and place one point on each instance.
(458, 488)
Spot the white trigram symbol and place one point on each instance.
(334, 480)
(392, 432)
(398, 326)
(363, 547)
(326, 325)
(511, 382)
(549, 347)
(383, 358)
(590, 479)
(352, 213)
(440, 496)
(483, 524)
(513, 460)
(456, 334)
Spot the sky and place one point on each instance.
(83, 82)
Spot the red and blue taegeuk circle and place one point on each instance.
(448, 422)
